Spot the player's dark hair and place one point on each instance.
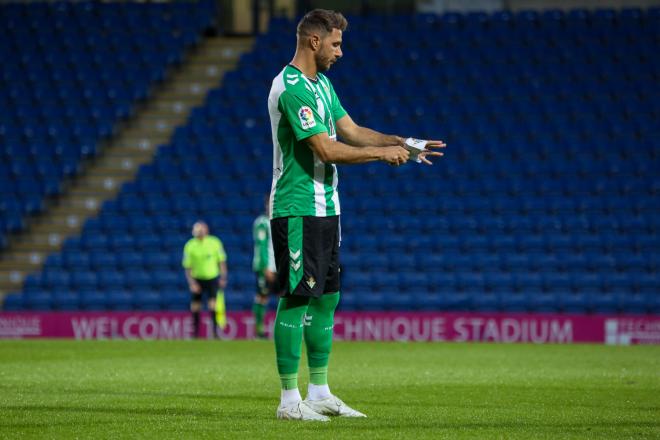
(322, 21)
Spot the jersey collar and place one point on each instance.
(314, 80)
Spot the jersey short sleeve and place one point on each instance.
(222, 255)
(299, 107)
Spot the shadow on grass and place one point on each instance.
(174, 395)
(36, 410)
(51, 424)
(494, 396)
(171, 411)
(497, 405)
(509, 425)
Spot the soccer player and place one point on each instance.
(205, 264)
(306, 116)
(263, 265)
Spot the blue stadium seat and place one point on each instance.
(60, 73)
(515, 301)
(371, 301)
(120, 300)
(14, 302)
(347, 302)
(148, 300)
(574, 302)
(175, 299)
(38, 301)
(547, 203)
(66, 300)
(400, 301)
(486, 301)
(93, 301)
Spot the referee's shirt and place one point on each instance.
(203, 257)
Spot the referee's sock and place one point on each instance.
(215, 323)
(288, 335)
(196, 324)
(319, 321)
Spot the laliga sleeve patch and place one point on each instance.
(306, 118)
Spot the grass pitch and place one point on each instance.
(219, 389)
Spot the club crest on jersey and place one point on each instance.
(306, 117)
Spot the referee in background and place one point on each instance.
(205, 264)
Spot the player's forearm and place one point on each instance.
(340, 153)
(223, 270)
(363, 136)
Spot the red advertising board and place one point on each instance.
(353, 326)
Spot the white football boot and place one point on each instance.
(333, 406)
(299, 411)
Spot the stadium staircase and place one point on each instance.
(134, 145)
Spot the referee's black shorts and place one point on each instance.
(209, 289)
(307, 254)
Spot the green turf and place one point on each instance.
(216, 389)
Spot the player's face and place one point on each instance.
(329, 51)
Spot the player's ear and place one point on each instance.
(315, 41)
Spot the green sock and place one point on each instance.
(318, 375)
(258, 310)
(288, 335)
(319, 320)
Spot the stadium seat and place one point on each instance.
(14, 302)
(66, 300)
(148, 300)
(547, 202)
(38, 301)
(70, 79)
(120, 300)
(93, 301)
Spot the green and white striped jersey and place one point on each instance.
(263, 245)
(299, 108)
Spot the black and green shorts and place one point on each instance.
(307, 254)
(264, 288)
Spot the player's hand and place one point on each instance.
(269, 275)
(432, 147)
(395, 155)
(194, 288)
(222, 282)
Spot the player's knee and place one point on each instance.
(195, 306)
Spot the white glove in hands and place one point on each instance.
(415, 146)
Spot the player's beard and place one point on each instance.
(323, 64)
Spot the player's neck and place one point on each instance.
(306, 65)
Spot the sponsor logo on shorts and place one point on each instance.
(311, 282)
